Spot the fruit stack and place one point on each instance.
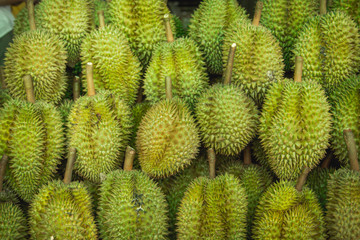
(114, 127)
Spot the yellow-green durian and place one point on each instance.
(167, 139)
(4, 97)
(115, 66)
(295, 127)
(142, 23)
(227, 119)
(42, 56)
(21, 23)
(351, 7)
(70, 20)
(258, 59)
(99, 129)
(208, 25)
(62, 211)
(182, 61)
(330, 46)
(286, 213)
(285, 18)
(33, 138)
(213, 209)
(131, 206)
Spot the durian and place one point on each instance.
(295, 125)
(208, 25)
(101, 5)
(21, 23)
(351, 7)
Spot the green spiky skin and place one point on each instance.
(351, 7)
(101, 5)
(295, 127)
(330, 47)
(227, 119)
(99, 129)
(259, 153)
(207, 28)
(318, 181)
(285, 18)
(181, 31)
(62, 211)
(12, 222)
(143, 24)
(285, 213)
(213, 209)
(21, 23)
(167, 139)
(4, 97)
(343, 205)
(138, 111)
(182, 61)
(65, 109)
(43, 57)
(33, 138)
(258, 59)
(131, 206)
(115, 67)
(70, 20)
(345, 102)
(255, 180)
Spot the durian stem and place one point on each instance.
(169, 33)
(101, 19)
(76, 88)
(322, 7)
(230, 64)
(302, 179)
(129, 158)
(90, 79)
(2, 78)
(70, 165)
(29, 88)
(352, 149)
(298, 68)
(327, 160)
(168, 86)
(3, 163)
(212, 162)
(30, 7)
(139, 98)
(257, 15)
(247, 155)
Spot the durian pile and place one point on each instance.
(116, 124)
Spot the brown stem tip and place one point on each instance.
(3, 163)
(299, 61)
(70, 165)
(323, 7)
(230, 64)
(352, 149)
(129, 158)
(101, 18)
(247, 155)
(31, 13)
(257, 15)
(76, 88)
(168, 31)
(90, 79)
(212, 162)
(168, 87)
(29, 88)
(302, 179)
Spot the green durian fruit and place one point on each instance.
(259, 153)
(181, 31)
(142, 23)
(4, 97)
(182, 61)
(138, 111)
(351, 7)
(62, 211)
(295, 127)
(41, 55)
(227, 119)
(208, 25)
(286, 213)
(131, 206)
(330, 46)
(345, 100)
(32, 136)
(65, 109)
(115, 67)
(21, 23)
(285, 18)
(99, 128)
(70, 20)
(167, 139)
(101, 5)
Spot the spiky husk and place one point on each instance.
(99, 129)
(343, 205)
(330, 47)
(351, 7)
(295, 127)
(33, 138)
(208, 25)
(4, 97)
(227, 119)
(143, 24)
(115, 67)
(131, 206)
(13, 225)
(259, 153)
(345, 109)
(63, 212)
(71, 20)
(138, 111)
(42, 56)
(258, 59)
(181, 31)
(285, 213)
(101, 5)
(21, 23)
(285, 18)
(213, 209)
(167, 139)
(182, 61)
